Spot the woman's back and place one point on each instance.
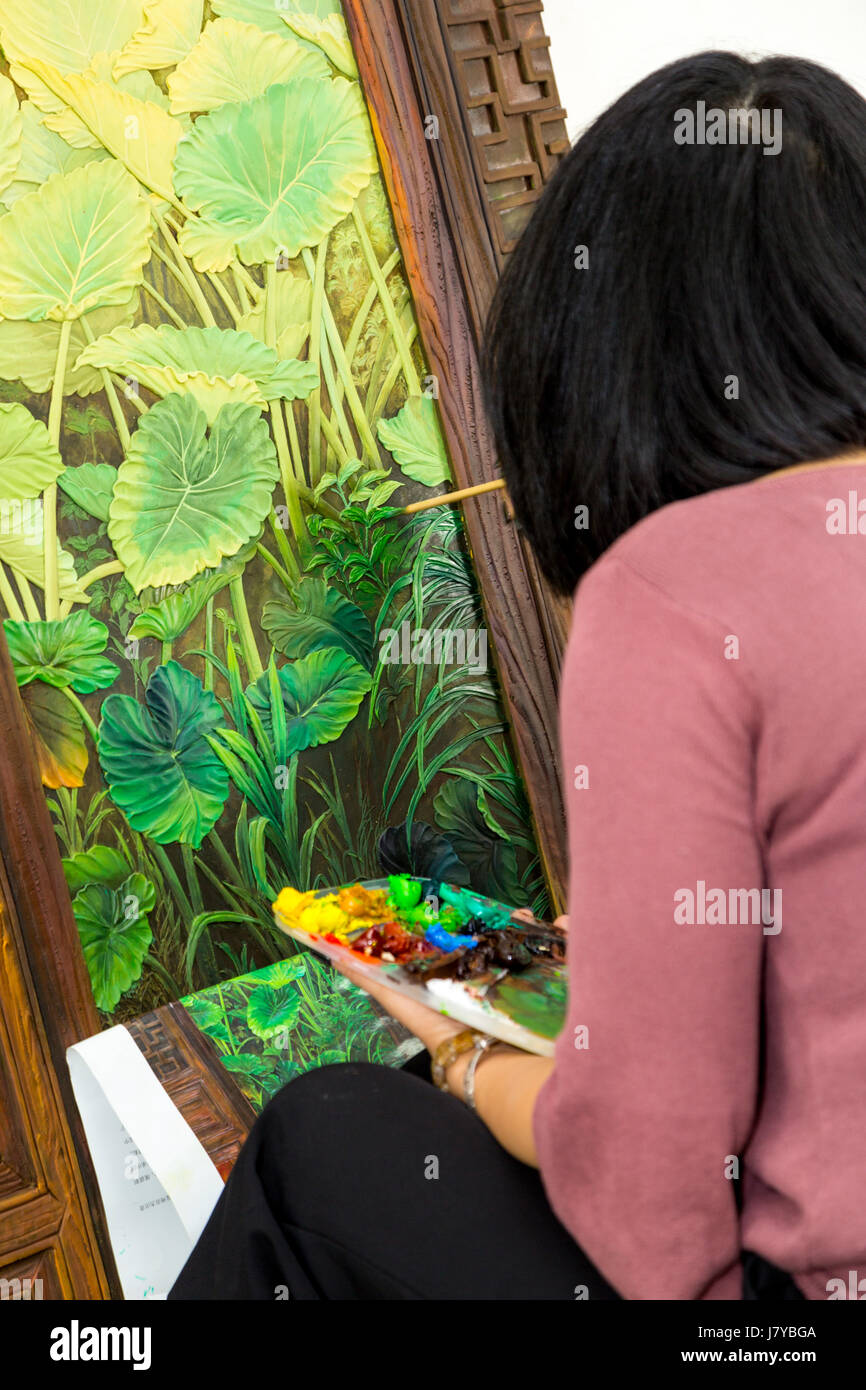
(714, 747)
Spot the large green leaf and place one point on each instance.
(267, 14)
(21, 547)
(414, 438)
(28, 351)
(321, 618)
(29, 461)
(97, 865)
(462, 812)
(284, 972)
(215, 365)
(90, 486)
(182, 500)
(169, 30)
(57, 733)
(157, 762)
(115, 935)
(273, 174)
(233, 61)
(67, 33)
(321, 694)
(63, 652)
(171, 616)
(100, 230)
(273, 1010)
(43, 153)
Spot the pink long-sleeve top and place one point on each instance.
(713, 734)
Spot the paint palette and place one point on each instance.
(453, 950)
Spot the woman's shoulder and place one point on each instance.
(715, 551)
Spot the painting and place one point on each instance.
(243, 663)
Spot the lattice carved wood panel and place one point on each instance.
(501, 60)
(189, 1069)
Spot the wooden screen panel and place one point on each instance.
(45, 1227)
(417, 59)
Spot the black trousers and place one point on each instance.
(365, 1182)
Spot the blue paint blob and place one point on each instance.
(436, 935)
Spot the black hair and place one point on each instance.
(611, 386)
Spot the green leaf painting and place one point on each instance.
(90, 486)
(277, 172)
(414, 438)
(115, 934)
(215, 365)
(321, 694)
(320, 618)
(66, 652)
(463, 813)
(273, 1009)
(156, 759)
(98, 865)
(211, 404)
(183, 500)
(99, 242)
(171, 616)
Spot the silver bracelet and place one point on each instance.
(483, 1045)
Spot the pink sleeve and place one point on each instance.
(654, 1089)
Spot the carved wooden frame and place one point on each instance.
(481, 68)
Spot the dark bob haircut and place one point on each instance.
(611, 386)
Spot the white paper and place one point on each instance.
(157, 1182)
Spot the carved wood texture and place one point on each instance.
(481, 69)
(189, 1070)
(46, 1231)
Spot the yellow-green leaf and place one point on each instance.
(294, 302)
(28, 351)
(21, 549)
(29, 460)
(66, 33)
(329, 34)
(43, 153)
(169, 31)
(233, 61)
(139, 133)
(80, 242)
(57, 732)
(10, 133)
(62, 120)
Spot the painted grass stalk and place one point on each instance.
(403, 346)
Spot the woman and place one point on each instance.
(676, 373)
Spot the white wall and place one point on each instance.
(602, 47)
